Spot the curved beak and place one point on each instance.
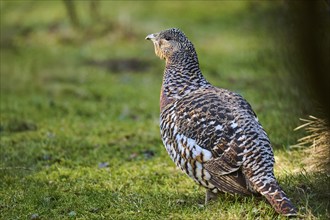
(151, 37)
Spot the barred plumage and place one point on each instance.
(212, 134)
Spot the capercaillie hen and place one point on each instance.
(212, 134)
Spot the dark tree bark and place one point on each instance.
(94, 7)
(71, 10)
(310, 23)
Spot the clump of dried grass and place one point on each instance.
(317, 142)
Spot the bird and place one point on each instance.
(212, 134)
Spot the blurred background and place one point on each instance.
(80, 85)
(89, 58)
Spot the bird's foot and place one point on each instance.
(210, 196)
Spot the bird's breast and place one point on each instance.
(164, 99)
(184, 151)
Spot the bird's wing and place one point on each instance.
(233, 183)
(214, 119)
(217, 119)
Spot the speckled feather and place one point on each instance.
(212, 134)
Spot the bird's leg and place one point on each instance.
(210, 196)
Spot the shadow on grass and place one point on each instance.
(121, 65)
(309, 192)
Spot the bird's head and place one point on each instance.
(172, 45)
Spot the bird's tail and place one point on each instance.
(278, 199)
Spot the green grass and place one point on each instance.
(82, 142)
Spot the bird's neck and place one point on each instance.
(180, 79)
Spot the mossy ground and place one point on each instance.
(82, 141)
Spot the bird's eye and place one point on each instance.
(167, 38)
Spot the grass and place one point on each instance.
(82, 141)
